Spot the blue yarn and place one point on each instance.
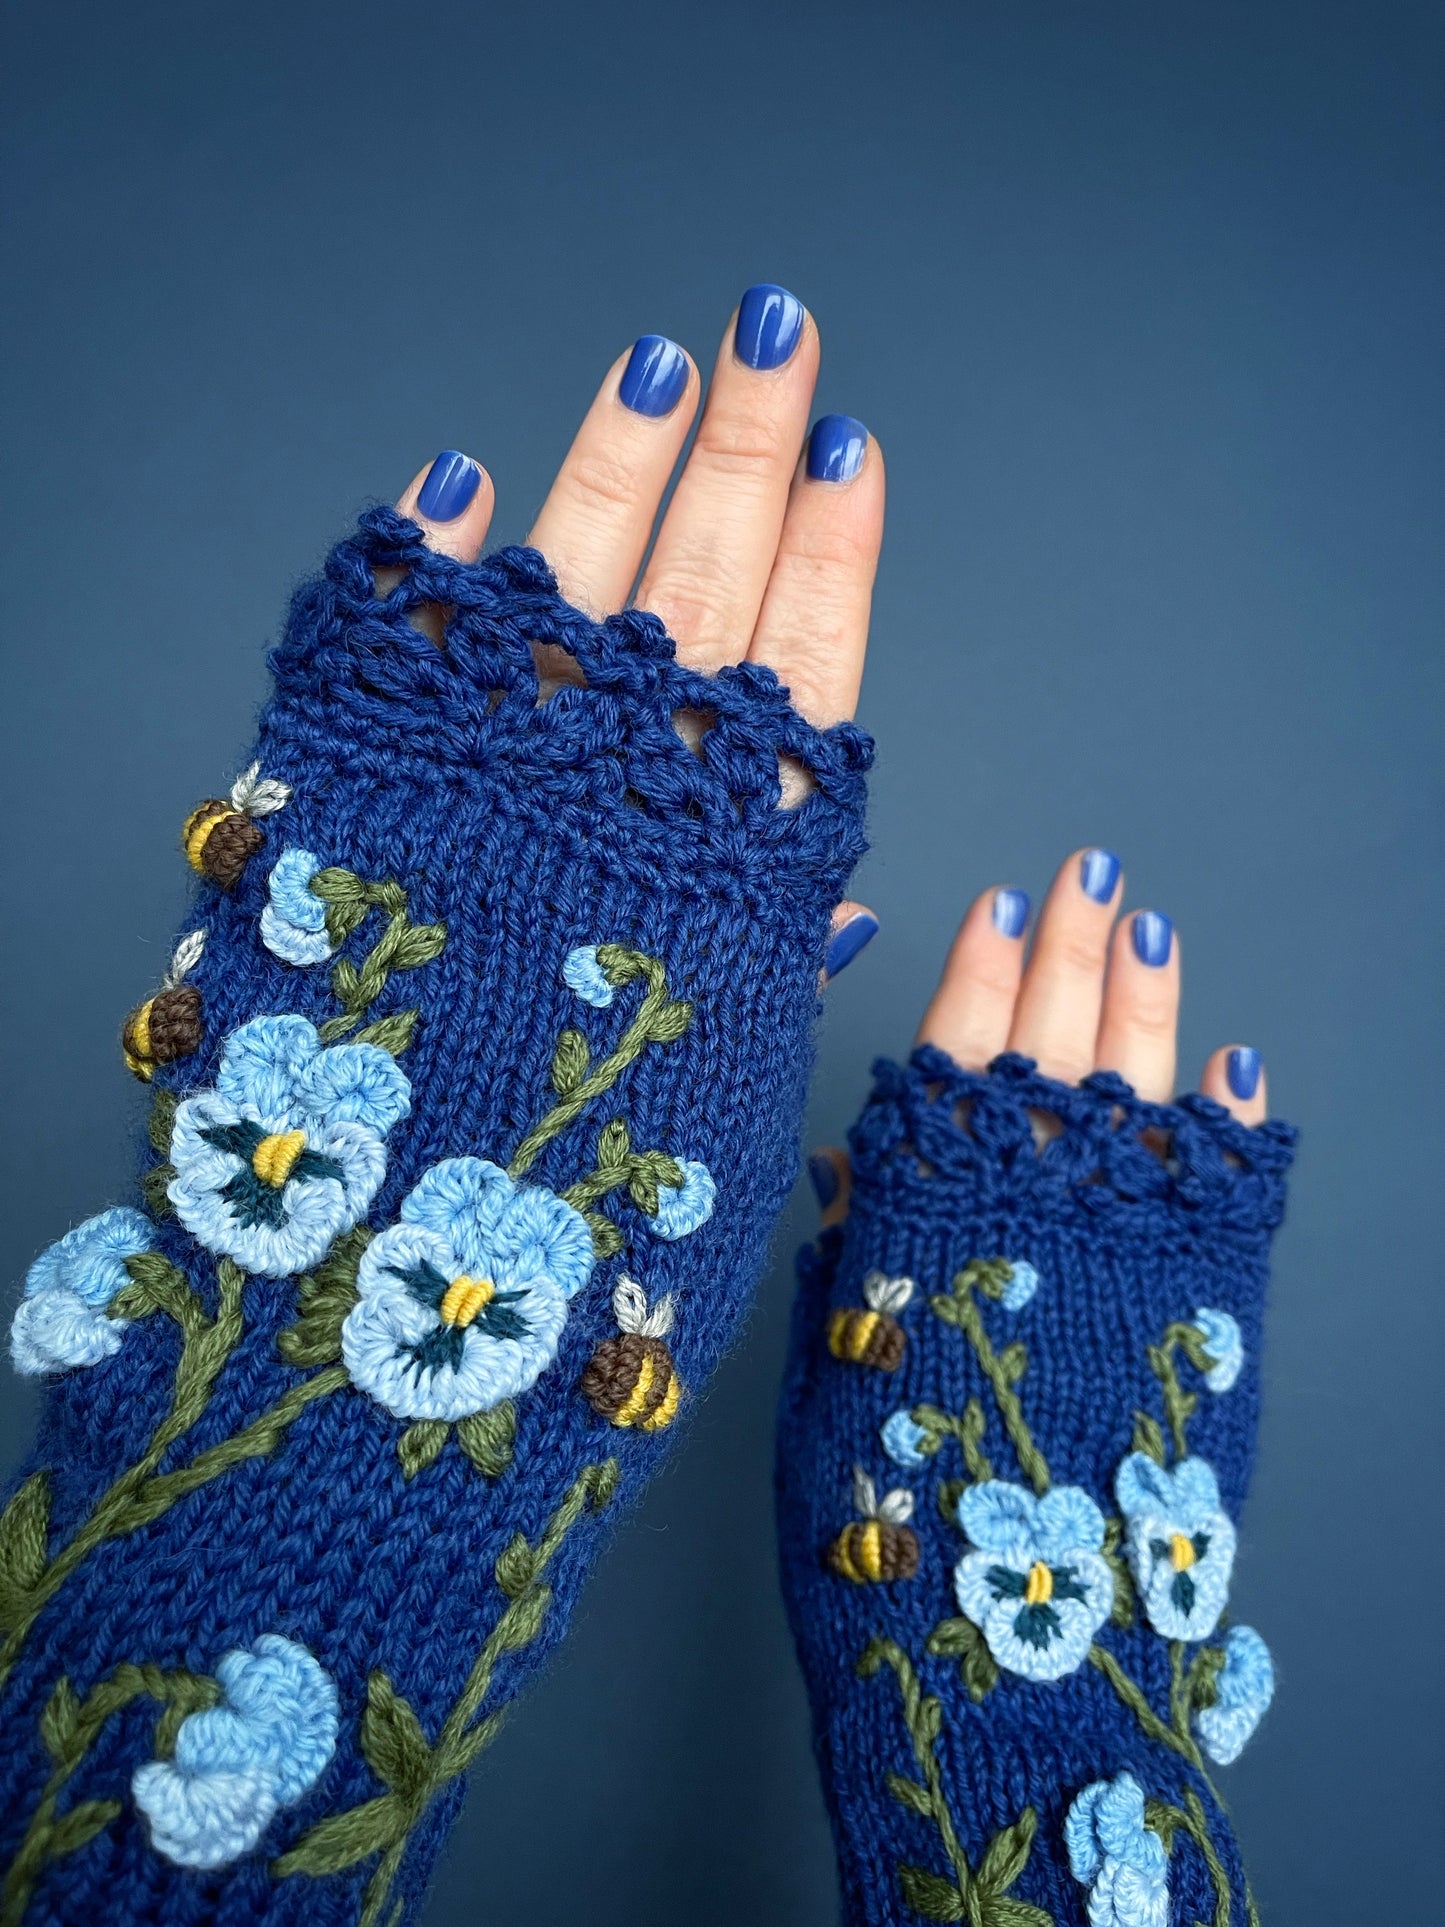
(1124, 1244)
(902, 1439)
(293, 923)
(61, 1320)
(1245, 1687)
(584, 974)
(681, 1208)
(1159, 1504)
(1225, 1346)
(533, 832)
(1116, 1856)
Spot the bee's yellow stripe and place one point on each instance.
(637, 1398)
(140, 1028)
(199, 825)
(667, 1411)
(870, 1549)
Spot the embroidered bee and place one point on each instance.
(881, 1546)
(630, 1379)
(870, 1334)
(168, 1025)
(220, 838)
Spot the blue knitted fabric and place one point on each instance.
(468, 931)
(1045, 1364)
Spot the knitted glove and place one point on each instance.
(476, 1093)
(1044, 1365)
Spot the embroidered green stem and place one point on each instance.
(142, 1492)
(1133, 1697)
(959, 1307)
(1167, 1820)
(411, 1768)
(972, 1895)
(968, 1429)
(660, 1019)
(402, 945)
(1179, 1405)
(68, 1727)
(1178, 1689)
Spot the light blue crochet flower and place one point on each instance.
(61, 1320)
(1245, 1685)
(462, 1304)
(289, 1149)
(903, 1441)
(1023, 1283)
(1120, 1860)
(1224, 1344)
(681, 1208)
(293, 923)
(585, 975)
(1037, 1587)
(1181, 1545)
(265, 1745)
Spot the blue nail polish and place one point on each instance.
(825, 1179)
(1099, 873)
(769, 326)
(1010, 912)
(655, 376)
(836, 448)
(1153, 935)
(1242, 1068)
(451, 482)
(847, 942)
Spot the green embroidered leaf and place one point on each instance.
(420, 943)
(960, 1639)
(930, 1722)
(1008, 1853)
(392, 1740)
(58, 1723)
(521, 1622)
(392, 1033)
(344, 1838)
(946, 1308)
(1148, 1438)
(910, 1794)
(951, 1638)
(1204, 1677)
(614, 1145)
(643, 1191)
(155, 1285)
(346, 984)
(670, 1022)
(950, 1491)
(930, 1894)
(420, 1443)
(24, 1538)
(1194, 1347)
(607, 1240)
(1163, 1819)
(1001, 1910)
(323, 1299)
(972, 1427)
(1014, 1361)
(81, 1824)
(603, 1480)
(516, 1567)
(153, 1189)
(164, 1105)
(488, 1438)
(570, 1063)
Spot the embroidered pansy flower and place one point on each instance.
(288, 1150)
(1225, 1346)
(904, 1441)
(293, 923)
(62, 1318)
(681, 1208)
(1036, 1586)
(1244, 1687)
(1181, 1545)
(1023, 1282)
(582, 973)
(234, 1765)
(462, 1303)
(1120, 1860)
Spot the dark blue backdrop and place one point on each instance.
(1144, 303)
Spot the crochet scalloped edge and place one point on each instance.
(354, 659)
(930, 1121)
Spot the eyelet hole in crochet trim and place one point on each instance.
(692, 725)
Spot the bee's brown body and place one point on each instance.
(630, 1379)
(165, 1027)
(219, 841)
(864, 1337)
(874, 1551)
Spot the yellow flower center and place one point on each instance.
(1181, 1551)
(465, 1297)
(1040, 1588)
(275, 1157)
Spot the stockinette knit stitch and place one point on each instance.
(498, 1020)
(1007, 1532)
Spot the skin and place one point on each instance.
(753, 561)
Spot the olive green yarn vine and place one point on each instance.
(1004, 1369)
(29, 1576)
(979, 1895)
(393, 1742)
(1190, 1819)
(68, 1728)
(402, 945)
(1179, 1405)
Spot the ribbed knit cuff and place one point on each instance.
(1016, 1435)
(477, 1083)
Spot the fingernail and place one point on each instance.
(825, 1178)
(451, 482)
(1098, 873)
(836, 448)
(1010, 912)
(1242, 1068)
(655, 376)
(769, 326)
(1153, 935)
(846, 942)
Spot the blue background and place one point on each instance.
(1145, 305)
